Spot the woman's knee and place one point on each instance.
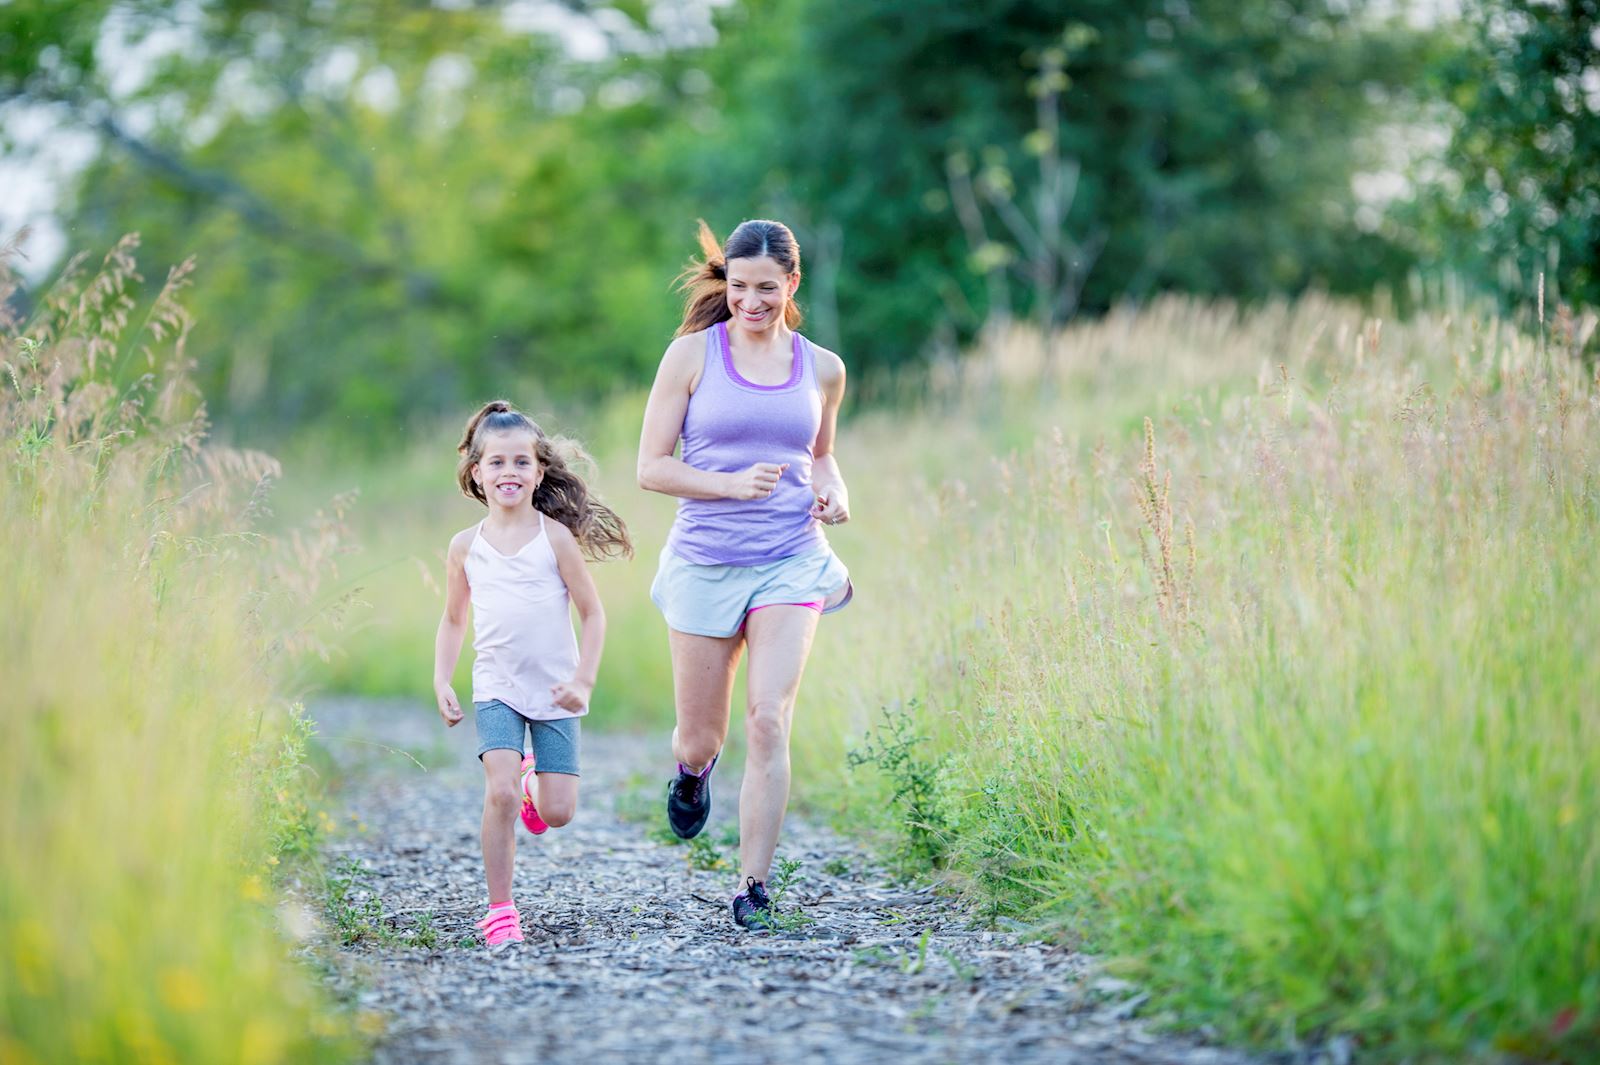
(698, 746)
(766, 725)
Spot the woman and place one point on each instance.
(747, 563)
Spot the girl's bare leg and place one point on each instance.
(556, 798)
(502, 801)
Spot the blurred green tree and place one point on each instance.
(1213, 143)
(400, 210)
(403, 209)
(1519, 195)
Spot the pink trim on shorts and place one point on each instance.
(817, 606)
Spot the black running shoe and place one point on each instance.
(689, 801)
(752, 907)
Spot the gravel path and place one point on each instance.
(631, 954)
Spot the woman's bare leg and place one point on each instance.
(702, 683)
(780, 642)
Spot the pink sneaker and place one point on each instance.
(530, 814)
(501, 926)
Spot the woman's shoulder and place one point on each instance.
(683, 360)
(689, 348)
(830, 367)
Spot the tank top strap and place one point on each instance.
(808, 363)
(712, 367)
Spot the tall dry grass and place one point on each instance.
(1284, 698)
(149, 776)
(1250, 648)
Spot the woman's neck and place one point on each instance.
(775, 337)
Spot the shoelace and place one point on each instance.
(689, 785)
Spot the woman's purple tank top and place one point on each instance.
(731, 424)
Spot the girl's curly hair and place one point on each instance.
(561, 494)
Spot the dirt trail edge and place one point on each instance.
(631, 954)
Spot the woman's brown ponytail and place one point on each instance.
(705, 280)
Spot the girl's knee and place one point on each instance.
(559, 813)
(503, 798)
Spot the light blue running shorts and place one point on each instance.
(554, 743)
(713, 600)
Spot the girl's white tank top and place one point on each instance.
(521, 625)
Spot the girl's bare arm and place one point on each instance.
(574, 694)
(452, 627)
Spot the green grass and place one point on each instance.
(1329, 772)
(150, 783)
(1286, 708)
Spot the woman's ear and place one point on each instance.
(794, 283)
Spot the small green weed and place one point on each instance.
(915, 963)
(293, 833)
(357, 913)
(785, 877)
(660, 833)
(705, 855)
(423, 933)
(638, 803)
(895, 749)
(872, 956)
(964, 972)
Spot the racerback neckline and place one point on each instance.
(796, 364)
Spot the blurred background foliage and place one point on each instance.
(401, 208)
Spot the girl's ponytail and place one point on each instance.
(564, 496)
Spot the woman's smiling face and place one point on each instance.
(758, 289)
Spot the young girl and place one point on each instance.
(521, 568)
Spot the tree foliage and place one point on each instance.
(1520, 193)
(402, 208)
(1215, 141)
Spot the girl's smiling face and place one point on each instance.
(509, 470)
(758, 289)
